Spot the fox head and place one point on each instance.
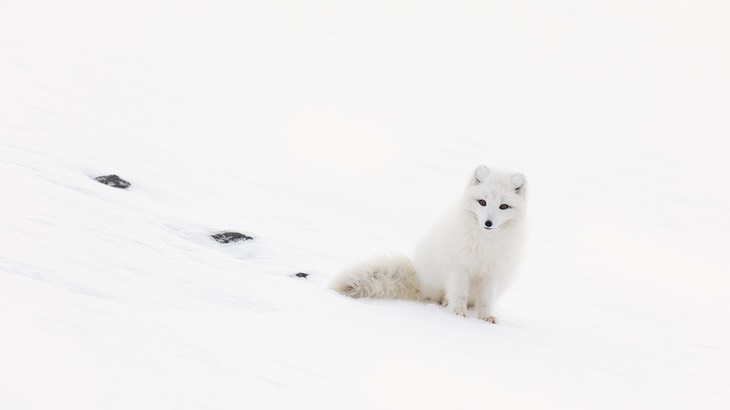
(496, 199)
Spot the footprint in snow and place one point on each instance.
(229, 236)
(113, 181)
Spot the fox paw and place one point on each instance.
(490, 319)
(460, 312)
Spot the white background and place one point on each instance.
(333, 131)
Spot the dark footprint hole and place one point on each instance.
(113, 181)
(226, 237)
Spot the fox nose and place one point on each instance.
(488, 224)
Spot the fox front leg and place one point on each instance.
(457, 294)
(486, 296)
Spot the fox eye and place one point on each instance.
(503, 206)
(482, 202)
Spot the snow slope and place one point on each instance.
(332, 131)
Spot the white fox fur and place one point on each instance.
(465, 260)
(387, 277)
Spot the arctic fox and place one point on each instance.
(465, 260)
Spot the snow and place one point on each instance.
(334, 131)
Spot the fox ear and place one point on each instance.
(480, 174)
(518, 183)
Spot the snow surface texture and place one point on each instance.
(331, 132)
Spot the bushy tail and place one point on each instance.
(385, 277)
